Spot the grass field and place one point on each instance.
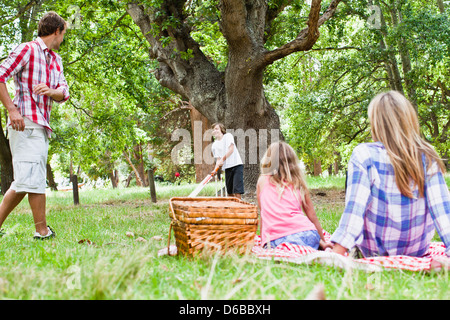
(95, 256)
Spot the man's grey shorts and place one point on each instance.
(29, 149)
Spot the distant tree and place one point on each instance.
(368, 47)
(229, 91)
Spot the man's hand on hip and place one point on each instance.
(16, 119)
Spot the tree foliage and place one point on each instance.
(116, 104)
(131, 66)
(358, 55)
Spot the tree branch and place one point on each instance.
(233, 21)
(307, 37)
(179, 74)
(274, 11)
(136, 172)
(326, 49)
(117, 24)
(19, 13)
(185, 105)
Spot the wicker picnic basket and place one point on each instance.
(215, 223)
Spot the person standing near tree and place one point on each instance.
(227, 156)
(39, 80)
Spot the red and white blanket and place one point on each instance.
(307, 255)
(300, 254)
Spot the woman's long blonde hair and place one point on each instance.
(281, 163)
(395, 124)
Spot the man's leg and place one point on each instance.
(229, 182)
(238, 181)
(9, 202)
(37, 204)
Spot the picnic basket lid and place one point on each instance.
(200, 208)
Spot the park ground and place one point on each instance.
(107, 248)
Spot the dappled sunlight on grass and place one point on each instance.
(107, 247)
(325, 182)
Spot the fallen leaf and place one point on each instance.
(157, 238)
(140, 239)
(239, 279)
(86, 241)
(130, 234)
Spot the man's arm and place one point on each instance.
(220, 161)
(62, 87)
(15, 117)
(55, 94)
(351, 224)
(438, 200)
(11, 66)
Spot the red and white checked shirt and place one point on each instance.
(29, 67)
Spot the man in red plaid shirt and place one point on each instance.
(39, 80)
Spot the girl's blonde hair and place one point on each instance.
(395, 124)
(281, 162)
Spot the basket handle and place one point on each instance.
(168, 240)
(171, 209)
(170, 227)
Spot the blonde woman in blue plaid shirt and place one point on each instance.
(396, 193)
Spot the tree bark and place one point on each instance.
(114, 177)
(139, 180)
(51, 178)
(236, 96)
(396, 16)
(28, 20)
(441, 6)
(390, 61)
(317, 167)
(151, 182)
(139, 160)
(200, 126)
(7, 174)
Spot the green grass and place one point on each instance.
(332, 182)
(93, 258)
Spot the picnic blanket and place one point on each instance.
(306, 255)
(301, 254)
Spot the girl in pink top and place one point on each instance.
(286, 209)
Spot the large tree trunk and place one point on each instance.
(234, 97)
(114, 177)
(6, 168)
(396, 16)
(139, 160)
(390, 60)
(440, 4)
(200, 125)
(51, 178)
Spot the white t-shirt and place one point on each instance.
(220, 147)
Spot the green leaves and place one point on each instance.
(323, 95)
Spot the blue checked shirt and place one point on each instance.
(379, 220)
